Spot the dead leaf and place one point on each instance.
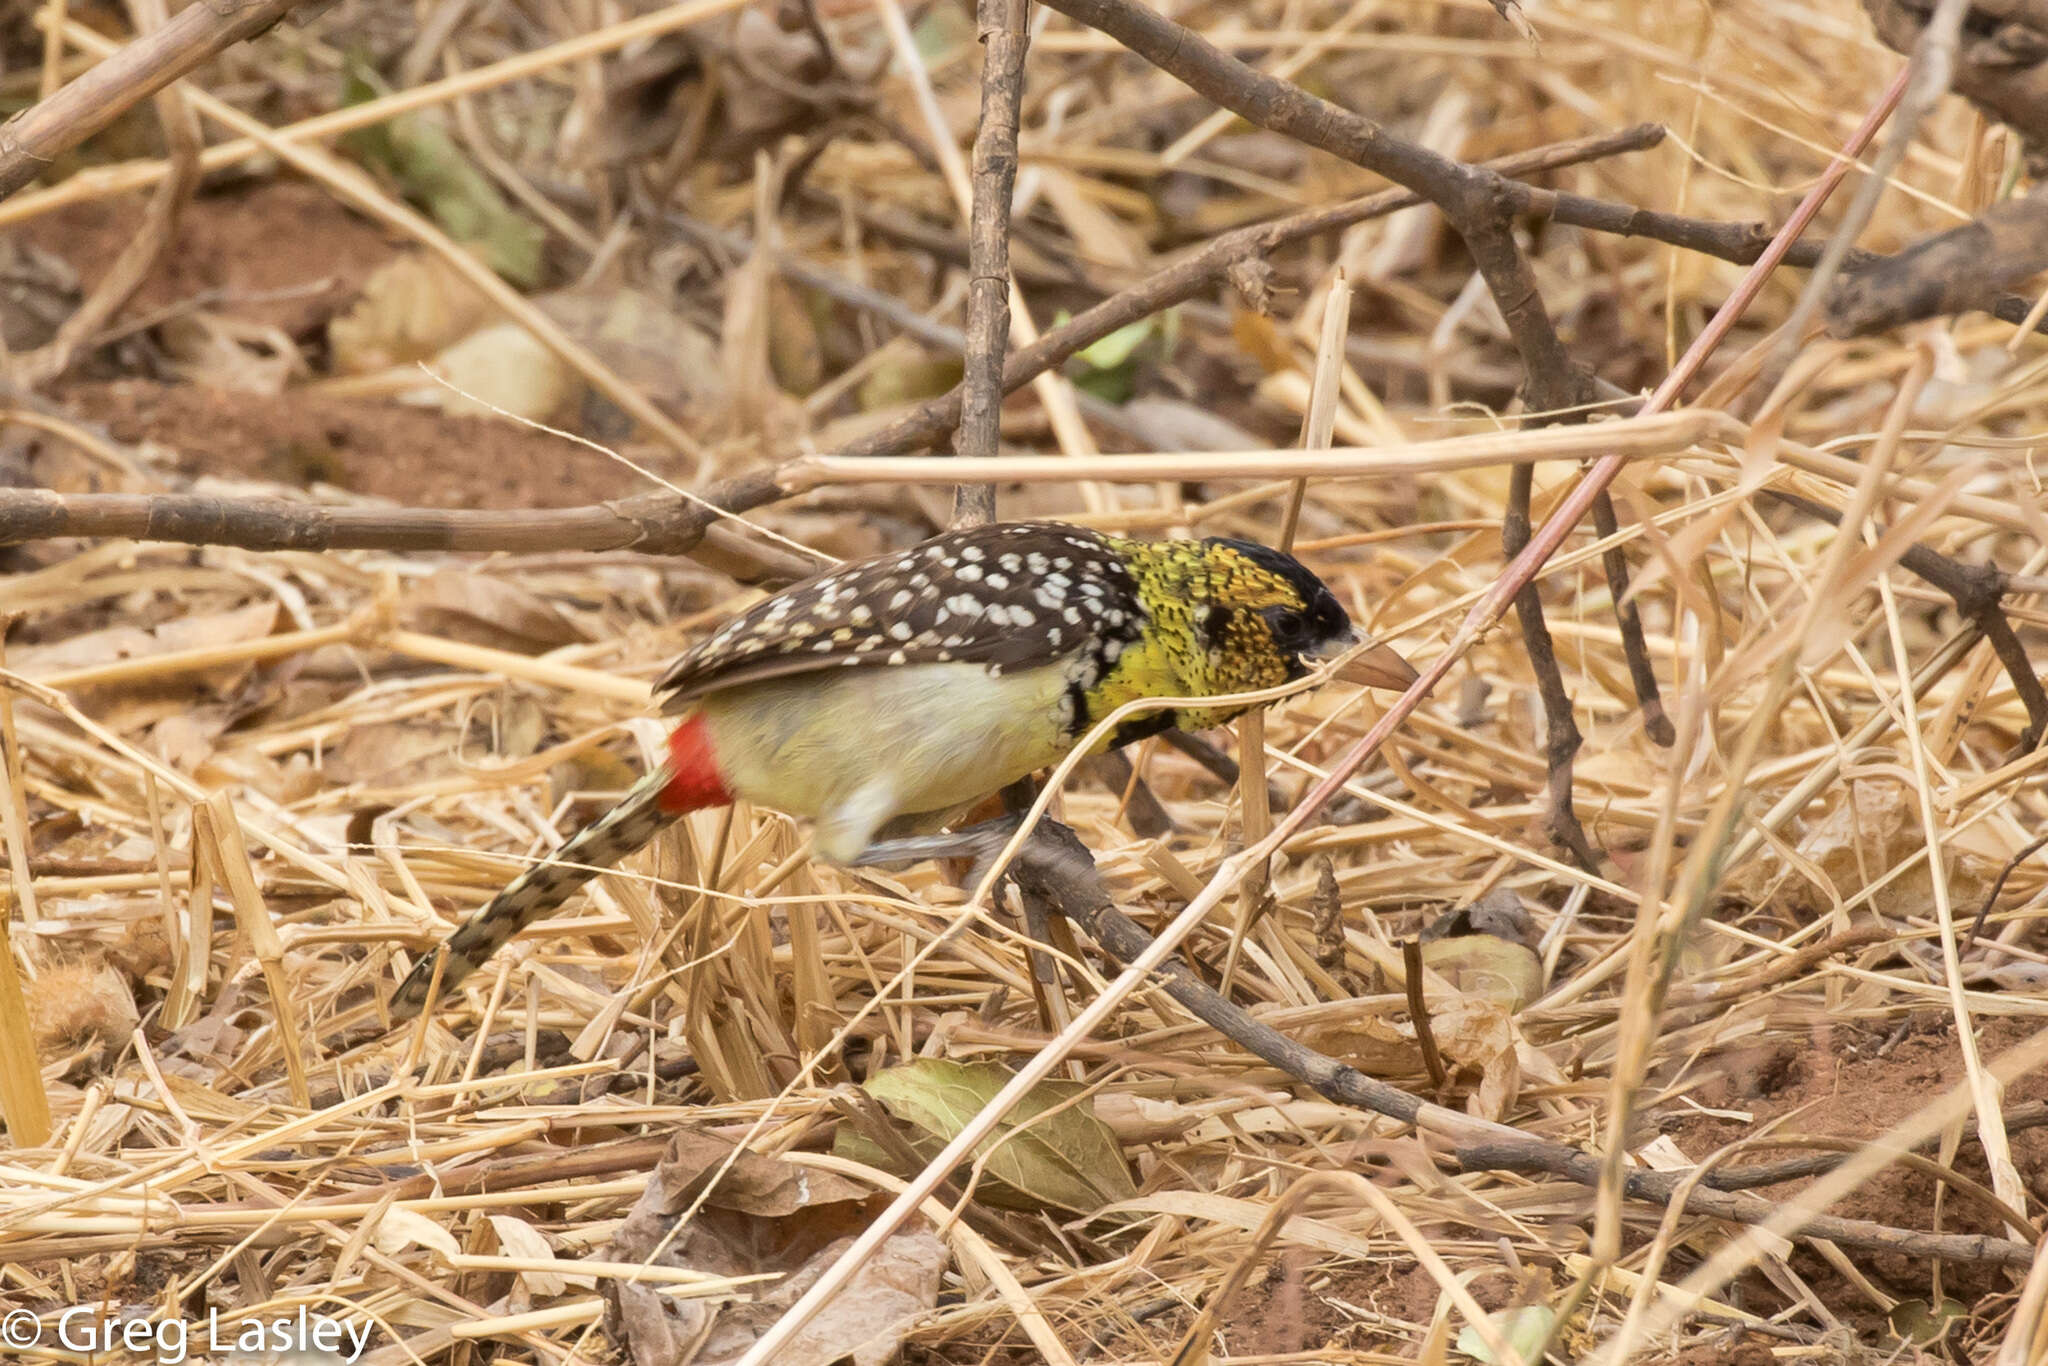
(221, 352)
(762, 1214)
(1050, 1150)
(408, 311)
(482, 609)
(1478, 1031)
(1864, 833)
(392, 754)
(116, 643)
(646, 340)
(400, 1229)
(795, 355)
(912, 380)
(83, 651)
(1475, 1032)
(1145, 1119)
(517, 1238)
(81, 1002)
(1488, 965)
(185, 739)
(770, 67)
(1259, 337)
(497, 370)
(747, 1183)
(418, 151)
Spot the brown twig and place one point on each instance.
(1989, 66)
(1418, 1011)
(1005, 39)
(1481, 206)
(1204, 268)
(1991, 897)
(1965, 268)
(1737, 243)
(1141, 806)
(1927, 80)
(1478, 202)
(36, 136)
(1635, 650)
(1561, 731)
(662, 524)
(678, 523)
(1786, 968)
(1977, 589)
(2017, 1119)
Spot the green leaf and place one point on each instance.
(1525, 1330)
(942, 31)
(1119, 346)
(417, 151)
(1068, 1159)
(1111, 386)
(1921, 1323)
(1489, 966)
(908, 381)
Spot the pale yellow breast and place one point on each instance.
(857, 746)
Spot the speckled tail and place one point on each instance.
(539, 890)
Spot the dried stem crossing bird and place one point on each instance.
(884, 697)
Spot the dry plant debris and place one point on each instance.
(406, 646)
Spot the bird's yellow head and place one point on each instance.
(1228, 616)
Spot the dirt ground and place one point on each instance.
(281, 253)
(384, 449)
(284, 254)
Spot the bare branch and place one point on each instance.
(1965, 268)
(1057, 870)
(656, 523)
(36, 136)
(1005, 39)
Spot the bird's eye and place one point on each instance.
(1289, 627)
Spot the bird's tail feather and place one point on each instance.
(627, 827)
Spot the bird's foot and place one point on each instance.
(1052, 865)
(979, 844)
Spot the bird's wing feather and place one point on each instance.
(1001, 596)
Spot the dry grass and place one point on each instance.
(247, 821)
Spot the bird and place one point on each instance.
(886, 696)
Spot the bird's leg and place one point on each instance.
(979, 844)
(844, 832)
(1018, 796)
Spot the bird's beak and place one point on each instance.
(1378, 666)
